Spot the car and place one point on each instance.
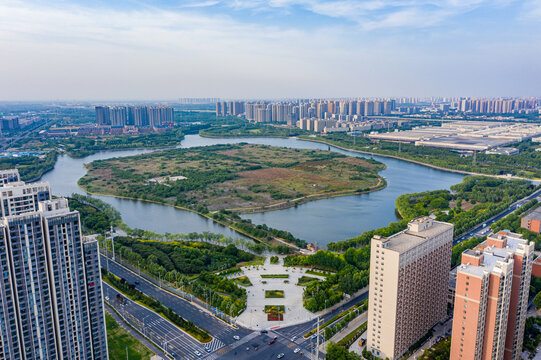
(236, 337)
(272, 341)
(107, 298)
(314, 336)
(136, 282)
(276, 337)
(264, 331)
(207, 349)
(293, 338)
(197, 353)
(280, 355)
(296, 350)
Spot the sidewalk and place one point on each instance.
(353, 324)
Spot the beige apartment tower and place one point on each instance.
(491, 299)
(409, 274)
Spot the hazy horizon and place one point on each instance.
(268, 49)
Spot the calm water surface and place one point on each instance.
(320, 221)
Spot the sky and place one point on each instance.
(273, 49)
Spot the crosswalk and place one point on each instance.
(215, 344)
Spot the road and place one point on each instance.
(478, 230)
(160, 331)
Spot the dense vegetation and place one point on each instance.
(526, 164)
(118, 340)
(440, 351)
(96, 216)
(84, 146)
(191, 265)
(136, 295)
(337, 352)
(512, 223)
(351, 269)
(30, 168)
(485, 196)
(532, 334)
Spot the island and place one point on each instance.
(241, 178)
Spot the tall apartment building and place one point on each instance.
(491, 299)
(50, 289)
(118, 116)
(103, 115)
(138, 116)
(409, 274)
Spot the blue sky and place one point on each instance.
(165, 49)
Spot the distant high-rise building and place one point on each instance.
(160, 115)
(118, 116)
(50, 288)
(9, 123)
(103, 115)
(491, 299)
(409, 281)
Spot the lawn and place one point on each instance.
(305, 280)
(275, 276)
(243, 280)
(274, 294)
(118, 339)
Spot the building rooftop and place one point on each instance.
(534, 215)
(419, 230)
(494, 258)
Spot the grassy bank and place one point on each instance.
(118, 340)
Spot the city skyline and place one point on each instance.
(291, 48)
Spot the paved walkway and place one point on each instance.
(254, 317)
(353, 324)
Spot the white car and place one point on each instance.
(236, 337)
(197, 353)
(296, 350)
(293, 338)
(281, 355)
